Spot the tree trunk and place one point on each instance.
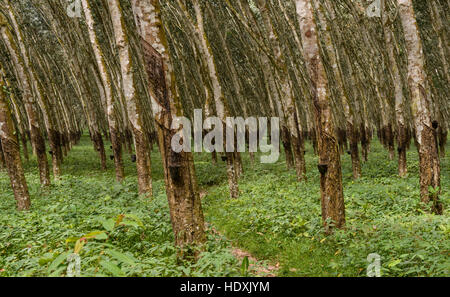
(286, 140)
(351, 133)
(42, 99)
(221, 104)
(442, 134)
(214, 157)
(332, 197)
(37, 138)
(134, 106)
(23, 139)
(107, 85)
(11, 153)
(289, 104)
(2, 158)
(354, 151)
(435, 10)
(99, 147)
(238, 164)
(430, 175)
(179, 172)
(403, 140)
(399, 102)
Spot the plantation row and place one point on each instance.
(351, 89)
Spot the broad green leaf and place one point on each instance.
(108, 224)
(394, 263)
(92, 234)
(72, 239)
(244, 266)
(47, 257)
(135, 218)
(122, 257)
(112, 268)
(58, 261)
(57, 272)
(96, 234)
(78, 246)
(130, 223)
(101, 236)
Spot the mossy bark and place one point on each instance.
(286, 93)
(354, 150)
(429, 164)
(2, 158)
(36, 136)
(105, 76)
(11, 153)
(402, 132)
(23, 139)
(134, 105)
(332, 197)
(100, 148)
(442, 134)
(286, 140)
(179, 172)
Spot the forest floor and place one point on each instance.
(275, 220)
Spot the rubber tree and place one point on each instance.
(332, 197)
(179, 172)
(37, 138)
(436, 10)
(107, 85)
(429, 163)
(11, 150)
(286, 92)
(222, 105)
(134, 106)
(42, 100)
(402, 129)
(343, 93)
(263, 58)
(71, 42)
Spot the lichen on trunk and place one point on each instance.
(429, 164)
(332, 197)
(11, 153)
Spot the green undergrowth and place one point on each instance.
(116, 232)
(279, 219)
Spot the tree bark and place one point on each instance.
(332, 197)
(100, 147)
(42, 99)
(402, 132)
(286, 140)
(179, 172)
(107, 85)
(286, 92)
(37, 138)
(221, 104)
(430, 175)
(134, 106)
(351, 131)
(442, 135)
(435, 9)
(11, 153)
(2, 158)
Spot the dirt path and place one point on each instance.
(256, 267)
